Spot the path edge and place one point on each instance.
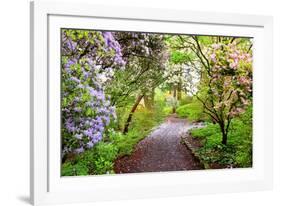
(193, 150)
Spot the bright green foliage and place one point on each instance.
(106, 154)
(185, 100)
(193, 111)
(238, 151)
(179, 57)
(98, 160)
(125, 143)
(69, 169)
(143, 121)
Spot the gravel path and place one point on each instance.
(162, 150)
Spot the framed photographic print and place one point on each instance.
(163, 104)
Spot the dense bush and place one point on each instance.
(238, 151)
(193, 111)
(125, 143)
(70, 169)
(86, 110)
(98, 160)
(185, 100)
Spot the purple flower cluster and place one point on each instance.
(88, 129)
(86, 109)
(111, 43)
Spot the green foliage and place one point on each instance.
(179, 57)
(167, 110)
(185, 100)
(98, 160)
(106, 154)
(211, 131)
(125, 142)
(69, 169)
(193, 111)
(237, 152)
(150, 60)
(143, 121)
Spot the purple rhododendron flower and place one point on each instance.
(84, 80)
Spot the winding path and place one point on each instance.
(162, 150)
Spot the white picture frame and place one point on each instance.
(48, 17)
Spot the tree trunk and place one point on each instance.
(175, 98)
(224, 133)
(127, 124)
(149, 99)
(179, 91)
(147, 102)
(224, 138)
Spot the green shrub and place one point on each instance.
(182, 111)
(143, 119)
(192, 111)
(105, 155)
(125, 142)
(207, 131)
(241, 131)
(167, 110)
(98, 160)
(238, 150)
(69, 169)
(185, 100)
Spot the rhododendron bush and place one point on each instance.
(229, 86)
(225, 88)
(231, 78)
(89, 59)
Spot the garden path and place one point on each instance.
(161, 150)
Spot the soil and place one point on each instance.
(162, 150)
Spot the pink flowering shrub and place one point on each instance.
(228, 83)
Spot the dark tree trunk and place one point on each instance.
(127, 124)
(224, 133)
(224, 138)
(179, 91)
(175, 97)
